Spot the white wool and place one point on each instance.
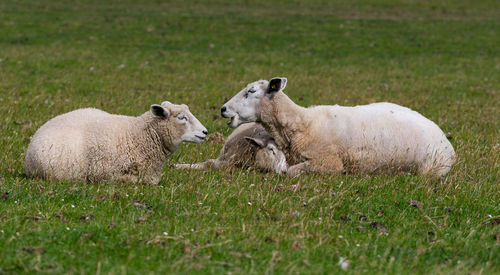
(382, 136)
(375, 138)
(93, 145)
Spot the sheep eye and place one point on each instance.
(182, 118)
(252, 91)
(272, 150)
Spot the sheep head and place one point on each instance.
(175, 123)
(268, 157)
(244, 107)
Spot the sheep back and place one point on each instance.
(93, 145)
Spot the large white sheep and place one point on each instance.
(92, 145)
(374, 138)
(248, 146)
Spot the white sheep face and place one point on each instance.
(187, 126)
(244, 107)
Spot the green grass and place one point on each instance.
(441, 58)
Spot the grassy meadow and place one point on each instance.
(440, 58)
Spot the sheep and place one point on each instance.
(366, 139)
(248, 146)
(93, 145)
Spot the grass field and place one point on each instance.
(441, 58)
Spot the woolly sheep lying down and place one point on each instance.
(248, 146)
(374, 138)
(93, 145)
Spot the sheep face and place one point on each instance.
(178, 124)
(268, 157)
(244, 107)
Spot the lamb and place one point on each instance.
(248, 146)
(93, 145)
(374, 138)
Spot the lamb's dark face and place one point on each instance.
(268, 157)
(178, 123)
(244, 107)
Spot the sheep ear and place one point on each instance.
(166, 103)
(159, 111)
(276, 84)
(256, 142)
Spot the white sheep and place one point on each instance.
(93, 145)
(374, 138)
(248, 146)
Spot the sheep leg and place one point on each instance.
(211, 163)
(298, 169)
(328, 165)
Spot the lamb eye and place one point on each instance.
(182, 117)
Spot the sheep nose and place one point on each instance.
(223, 109)
(205, 132)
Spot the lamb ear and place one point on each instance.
(159, 111)
(256, 142)
(276, 84)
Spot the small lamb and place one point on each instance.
(374, 138)
(93, 145)
(248, 146)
